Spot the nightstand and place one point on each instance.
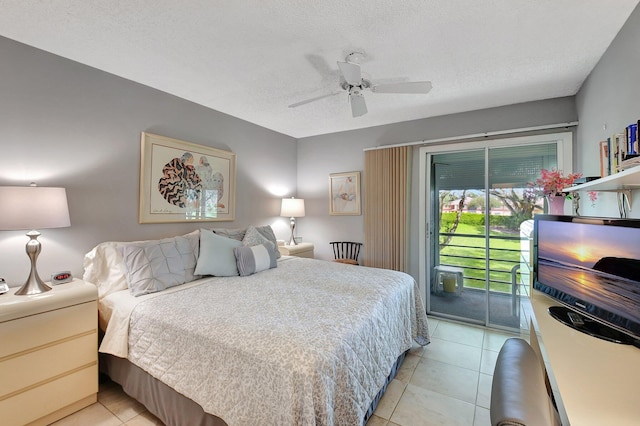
(49, 353)
(298, 250)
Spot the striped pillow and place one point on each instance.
(252, 259)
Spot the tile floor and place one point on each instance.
(445, 383)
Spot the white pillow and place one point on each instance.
(255, 258)
(216, 255)
(156, 266)
(104, 268)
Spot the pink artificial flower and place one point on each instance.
(551, 182)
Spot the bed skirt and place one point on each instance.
(175, 409)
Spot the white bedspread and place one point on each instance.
(309, 342)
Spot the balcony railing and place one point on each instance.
(505, 257)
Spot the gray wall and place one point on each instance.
(607, 102)
(66, 124)
(610, 97)
(341, 152)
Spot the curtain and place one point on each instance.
(387, 186)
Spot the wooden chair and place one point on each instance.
(346, 252)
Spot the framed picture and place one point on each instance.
(344, 196)
(184, 182)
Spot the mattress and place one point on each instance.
(308, 342)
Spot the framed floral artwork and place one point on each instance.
(344, 193)
(184, 182)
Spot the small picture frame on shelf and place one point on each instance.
(604, 159)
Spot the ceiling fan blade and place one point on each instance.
(418, 87)
(358, 105)
(351, 73)
(317, 98)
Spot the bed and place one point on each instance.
(289, 341)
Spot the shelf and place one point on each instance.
(627, 179)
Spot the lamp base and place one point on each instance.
(292, 240)
(34, 284)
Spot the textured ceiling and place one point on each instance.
(252, 58)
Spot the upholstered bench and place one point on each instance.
(519, 394)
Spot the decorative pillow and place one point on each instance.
(103, 265)
(216, 255)
(260, 235)
(255, 258)
(158, 265)
(234, 233)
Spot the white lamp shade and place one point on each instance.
(33, 207)
(292, 207)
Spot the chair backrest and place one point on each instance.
(348, 250)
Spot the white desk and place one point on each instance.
(598, 381)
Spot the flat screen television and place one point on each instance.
(592, 266)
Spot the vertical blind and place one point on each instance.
(386, 207)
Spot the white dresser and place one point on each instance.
(48, 353)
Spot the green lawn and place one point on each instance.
(472, 256)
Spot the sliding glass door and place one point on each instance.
(458, 247)
(478, 211)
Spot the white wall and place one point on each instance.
(66, 124)
(607, 102)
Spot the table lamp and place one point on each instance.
(31, 207)
(292, 208)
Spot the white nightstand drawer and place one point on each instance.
(53, 396)
(48, 353)
(298, 250)
(29, 332)
(27, 369)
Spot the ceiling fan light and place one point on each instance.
(358, 104)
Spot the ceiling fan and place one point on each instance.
(353, 83)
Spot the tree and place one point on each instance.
(452, 228)
(477, 201)
(522, 207)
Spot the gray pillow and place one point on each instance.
(252, 259)
(216, 255)
(256, 235)
(159, 264)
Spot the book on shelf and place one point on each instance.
(629, 162)
(617, 152)
(604, 159)
(631, 139)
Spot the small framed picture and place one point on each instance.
(344, 194)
